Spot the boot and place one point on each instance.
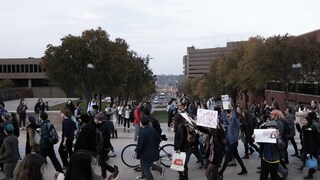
(310, 174)
(251, 150)
(244, 171)
(116, 133)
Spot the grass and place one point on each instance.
(84, 105)
(162, 116)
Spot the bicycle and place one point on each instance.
(166, 151)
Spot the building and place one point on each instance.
(197, 61)
(28, 73)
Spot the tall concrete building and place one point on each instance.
(197, 61)
(28, 73)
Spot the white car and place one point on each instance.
(156, 101)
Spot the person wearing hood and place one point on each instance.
(271, 155)
(31, 146)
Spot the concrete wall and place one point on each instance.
(53, 116)
(48, 92)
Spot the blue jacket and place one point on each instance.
(44, 135)
(148, 144)
(233, 127)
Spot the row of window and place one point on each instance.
(21, 68)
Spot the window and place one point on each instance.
(18, 68)
(35, 68)
(22, 68)
(31, 68)
(0, 68)
(13, 68)
(5, 68)
(9, 68)
(26, 68)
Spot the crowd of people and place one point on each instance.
(86, 138)
(220, 145)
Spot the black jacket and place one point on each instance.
(86, 138)
(180, 138)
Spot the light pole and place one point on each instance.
(90, 68)
(296, 67)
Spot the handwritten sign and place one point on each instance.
(225, 101)
(207, 118)
(265, 135)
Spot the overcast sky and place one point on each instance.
(162, 29)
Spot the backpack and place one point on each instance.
(155, 124)
(99, 141)
(191, 133)
(37, 137)
(53, 135)
(131, 115)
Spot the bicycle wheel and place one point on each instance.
(166, 152)
(127, 156)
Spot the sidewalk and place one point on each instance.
(126, 173)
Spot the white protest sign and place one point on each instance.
(225, 101)
(186, 117)
(265, 135)
(207, 118)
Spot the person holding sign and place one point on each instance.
(233, 119)
(271, 155)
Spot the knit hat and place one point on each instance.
(100, 116)
(9, 128)
(31, 119)
(272, 124)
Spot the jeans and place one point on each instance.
(232, 150)
(65, 151)
(22, 119)
(8, 169)
(126, 122)
(196, 152)
(49, 151)
(136, 131)
(145, 166)
(103, 157)
(269, 168)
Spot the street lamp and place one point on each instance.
(90, 68)
(296, 67)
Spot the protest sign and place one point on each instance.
(186, 117)
(265, 135)
(225, 101)
(207, 118)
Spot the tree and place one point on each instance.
(116, 68)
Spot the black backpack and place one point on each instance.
(99, 141)
(53, 135)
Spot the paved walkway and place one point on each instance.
(127, 173)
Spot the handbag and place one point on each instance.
(178, 161)
(311, 162)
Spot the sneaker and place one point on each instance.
(116, 171)
(112, 154)
(202, 167)
(162, 172)
(140, 177)
(137, 168)
(245, 157)
(284, 176)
